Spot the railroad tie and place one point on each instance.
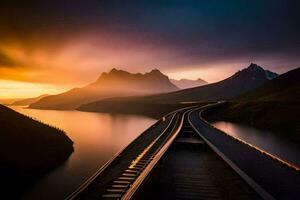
(112, 196)
(122, 182)
(132, 171)
(125, 178)
(129, 174)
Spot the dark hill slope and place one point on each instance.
(29, 148)
(274, 106)
(285, 87)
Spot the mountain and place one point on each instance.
(285, 87)
(28, 148)
(242, 81)
(270, 75)
(187, 83)
(9, 101)
(274, 106)
(28, 101)
(113, 84)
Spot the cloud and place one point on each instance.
(6, 61)
(75, 42)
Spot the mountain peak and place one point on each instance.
(156, 72)
(268, 74)
(117, 71)
(255, 67)
(113, 73)
(150, 79)
(253, 73)
(113, 70)
(114, 83)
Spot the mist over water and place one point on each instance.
(97, 137)
(265, 140)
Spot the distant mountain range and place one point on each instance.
(116, 83)
(187, 83)
(241, 82)
(28, 101)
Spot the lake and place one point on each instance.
(265, 140)
(96, 136)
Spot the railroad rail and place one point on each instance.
(129, 177)
(128, 171)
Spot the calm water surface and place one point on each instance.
(265, 140)
(97, 137)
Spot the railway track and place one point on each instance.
(125, 185)
(175, 160)
(270, 176)
(126, 178)
(190, 169)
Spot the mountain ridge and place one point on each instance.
(278, 89)
(188, 83)
(275, 106)
(28, 101)
(241, 82)
(112, 84)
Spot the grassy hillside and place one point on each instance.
(275, 106)
(29, 148)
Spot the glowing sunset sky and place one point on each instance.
(51, 46)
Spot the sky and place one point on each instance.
(51, 46)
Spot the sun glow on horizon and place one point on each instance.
(17, 89)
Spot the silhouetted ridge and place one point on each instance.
(273, 106)
(124, 74)
(156, 72)
(254, 67)
(115, 83)
(285, 87)
(28, 149)
(241, 82)
(254, 72)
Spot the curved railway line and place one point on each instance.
(183, 157)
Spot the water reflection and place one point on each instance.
(265, 140)
(97, 137)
